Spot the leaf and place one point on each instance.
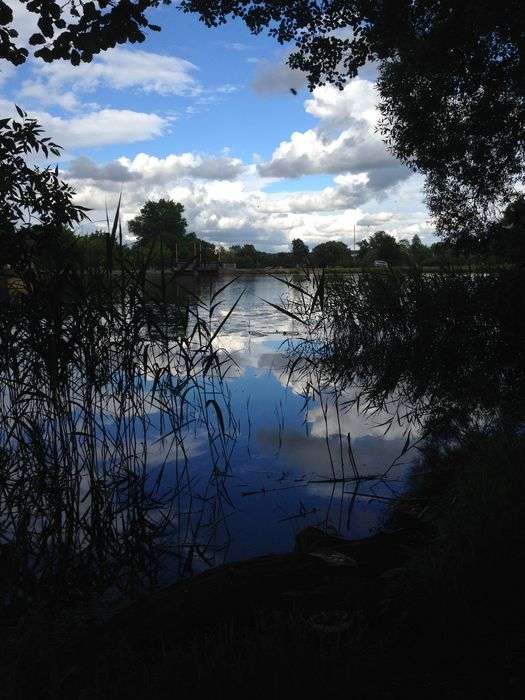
(36, 39)
(319, 293)
(406, 445)
(218, 412)
(221, 324)
(285, 311)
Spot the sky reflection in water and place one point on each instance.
(280, 449)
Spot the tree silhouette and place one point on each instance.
(331, 254)
(35, 204)
(76, 30)
(450, 84)
(300, 251)
(162, 219)
(160, 227)
(450, 76)
(383, 246)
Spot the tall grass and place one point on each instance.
(441, 350)
(103, 385)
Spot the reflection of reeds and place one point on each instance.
(430, 349)
(433, 354)
(104, 382)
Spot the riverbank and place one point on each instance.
(431, 607)
(280, 271)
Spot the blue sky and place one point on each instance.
(206, 116)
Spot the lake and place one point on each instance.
(285, 456)
(152, 430)
(145, 441)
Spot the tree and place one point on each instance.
(160, 229)
(245, 256)
(450, 83)
(163, 219)
(418, 251)
(76, 30)
(36, 207)
(506, 239)
(300, 251)
(383, 246)
(450, 76)
(331, 254)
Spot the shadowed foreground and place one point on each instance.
(404, 613)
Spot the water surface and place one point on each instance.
(287, 455)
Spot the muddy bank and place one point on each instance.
(320, 620)
(322, 590)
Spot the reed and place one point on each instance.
(103, 382)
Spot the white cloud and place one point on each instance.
(105, 126)
(84, 168)
(6, 71)
(96, 128)
(232, 211)
(234, 45)
(344, 141)
(24, 22)
(153, 170)
(48, 95)
(225, 198)
(357, 102)
(120, 69)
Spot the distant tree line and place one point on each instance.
(38, 217)
(450, 77)
(503, 243)
(162, 240)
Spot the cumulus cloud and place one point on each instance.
(6, 71)
(84, 168)
(225, 198)
(60, 83)
(102, 127)
(356, 104)
(98, 127)
(348, 192)
(376, 220)
(229, 212)
(353, 151)
(344, 141)
(162, 170)
(158, 171)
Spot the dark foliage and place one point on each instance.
(76, 30)
(300, 251)
(160, 229)
(447, 348)
(35, 204)
(450, 82)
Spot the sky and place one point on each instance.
(207, 117)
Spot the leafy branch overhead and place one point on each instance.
(76, 30)
(32, 198)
